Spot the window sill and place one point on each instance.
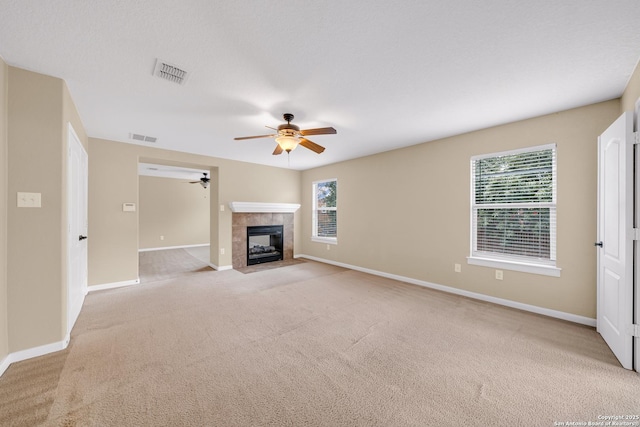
(545, 270)
(328, 240)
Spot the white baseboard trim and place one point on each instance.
(482, 297)
(4, 364)
(221, 268)
(164, 248)
(30, 353)
(113, 285)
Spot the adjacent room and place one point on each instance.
(173, 221)
(319, 213)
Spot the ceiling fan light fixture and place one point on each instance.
(289, 136)
(288, 143)
(204, 184)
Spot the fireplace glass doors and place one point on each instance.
(264, 244)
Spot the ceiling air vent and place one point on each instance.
(143, 138)
(170, 72)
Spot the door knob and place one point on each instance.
(81, 237)
(598, 244)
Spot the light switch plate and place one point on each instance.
(29, 200)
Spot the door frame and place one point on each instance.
(636, 246)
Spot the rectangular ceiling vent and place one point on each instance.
(143, 138)
(170, 72)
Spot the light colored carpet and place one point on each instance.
(269, 265)
(317, 345)
(169, 263)
(200, 252)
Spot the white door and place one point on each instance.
(77, 228)
(615, 228)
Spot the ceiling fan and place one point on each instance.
(204, 181)
(290, 136)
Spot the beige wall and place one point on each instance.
(113, 180)
(4, 327)
(406, 212)
(174, 209)
(34, 235)
(39, 107)
(632, 92)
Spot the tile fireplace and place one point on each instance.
(242, 221)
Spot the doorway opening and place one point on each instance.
(174, 217)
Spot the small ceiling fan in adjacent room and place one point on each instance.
(290, 136)
(204, 181)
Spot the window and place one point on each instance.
(513, 210)
(325, 213)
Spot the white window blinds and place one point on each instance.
(514, 205)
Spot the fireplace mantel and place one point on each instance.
(251, 207)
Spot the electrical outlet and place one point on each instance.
(29, 200)
(221, 251)
(328, 247)
(499, 275)
(457, 268)
(161, 237)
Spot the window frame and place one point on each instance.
(516, 262)
(314, 216)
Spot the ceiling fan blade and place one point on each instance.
(251, 137)
(278, 150)
(319, 131)
(311, 146)
(194, 182)
(269, 127)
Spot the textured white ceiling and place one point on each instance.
(385, 74)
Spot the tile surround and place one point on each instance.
(240, 222)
